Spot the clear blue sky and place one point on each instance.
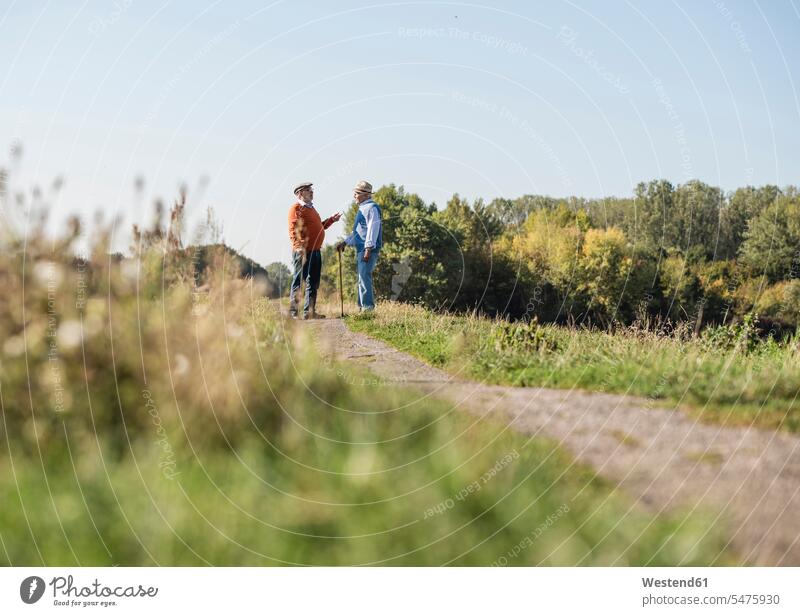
(487, 100)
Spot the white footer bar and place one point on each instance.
(389, 591)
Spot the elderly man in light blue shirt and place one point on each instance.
(367, 239)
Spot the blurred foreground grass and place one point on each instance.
(153, 418)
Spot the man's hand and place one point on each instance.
(330, 220)
(367, 252)
(341, 246)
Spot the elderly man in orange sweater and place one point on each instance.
(306, 233)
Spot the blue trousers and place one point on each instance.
(366, 299)
(308, 271)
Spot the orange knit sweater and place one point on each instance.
(306, 229)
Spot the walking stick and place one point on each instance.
(341, 290)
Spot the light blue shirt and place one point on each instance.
(366, 233)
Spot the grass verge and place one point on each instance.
(723, 376)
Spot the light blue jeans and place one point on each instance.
(366, 299)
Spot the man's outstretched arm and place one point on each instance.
(330, 220)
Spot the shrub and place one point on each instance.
(521, 337)
(742, 336)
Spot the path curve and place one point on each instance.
(661, 457)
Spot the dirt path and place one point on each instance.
(662, 457)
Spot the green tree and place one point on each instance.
(653, 225)
(488, 280)
(513, 213)
(613, 212)
(695, 219)
(684, 218)
(772, 241)
(743, 205)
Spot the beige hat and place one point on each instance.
(301, 186)
(363, 187)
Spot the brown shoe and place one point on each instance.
(315, 315)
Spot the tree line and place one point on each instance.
(690, 252)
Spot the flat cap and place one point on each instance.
(301, 186)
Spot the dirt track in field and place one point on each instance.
(663, 458)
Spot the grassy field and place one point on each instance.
(144, 422)
(248, 508)
(724, 375)
(343, 478)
